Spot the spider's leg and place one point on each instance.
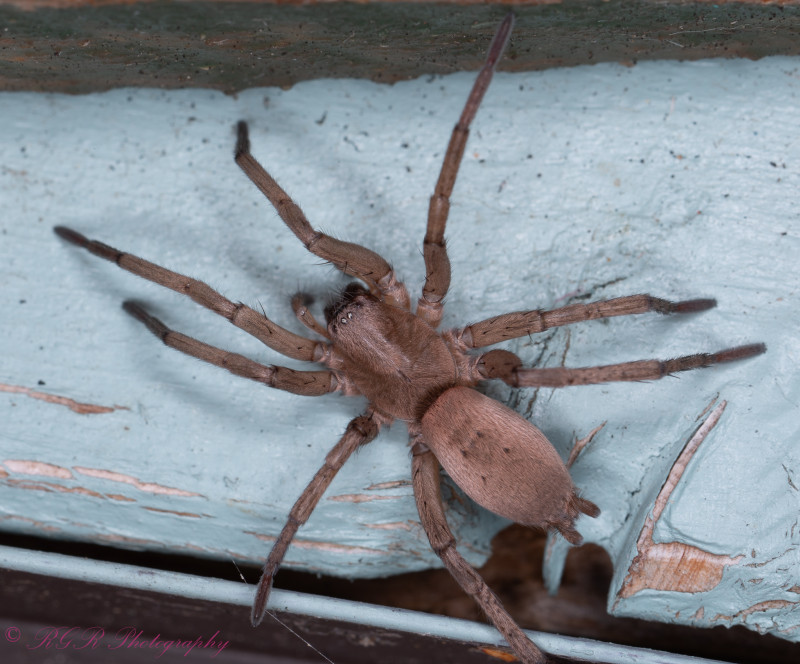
(506, 366)
(427, 492)
(306, 383)
(437, 264)
(242, 316)
(521, 323)
(360, 431)
(350, 258)
(300, 304)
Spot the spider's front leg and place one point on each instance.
(427, 492)
(350, 258)
(437, 264)
(262, 328)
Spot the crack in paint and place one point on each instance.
(191, 515)
(25, 467)
(578, 446)
(321, 546)
(149, 487)
(28, 467)
(396, 484)
(76, 406)
(760, 607)
(49, 487)
(393, 525)
(675, 566)
(360, 498)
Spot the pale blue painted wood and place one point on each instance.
(675, 178)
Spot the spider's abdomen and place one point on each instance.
(502, 461)
(395, 359)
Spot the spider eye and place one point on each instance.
(350, 314)
(348, 296)
(343, 321)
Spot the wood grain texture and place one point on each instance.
(231, 46)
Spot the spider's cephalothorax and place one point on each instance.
(395, 359)
(376, 347)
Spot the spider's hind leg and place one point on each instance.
(427, 492)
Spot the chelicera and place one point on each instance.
(374, 346)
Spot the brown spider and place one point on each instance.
(376, 347)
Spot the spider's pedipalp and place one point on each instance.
(300, 304)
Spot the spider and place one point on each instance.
(375, 346)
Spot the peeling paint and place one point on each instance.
(360, 498)
(501, 655)
(675, 566)
(764, 563)
(76, 406)
(191, 515)
(142, 486)
(149, 544)
(322, 546)
(128, 541)
(578, 446)
(707, 408)
(119, 496)
(394, 525)
(768, 605)
(396, 484)
(37, 468)
(50, 487)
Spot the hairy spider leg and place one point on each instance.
(350, 258)
(258, 325)
(305, 383)
(497, 364)
(521, 323)
(437, 265)
(360, 431)
(427, 492)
